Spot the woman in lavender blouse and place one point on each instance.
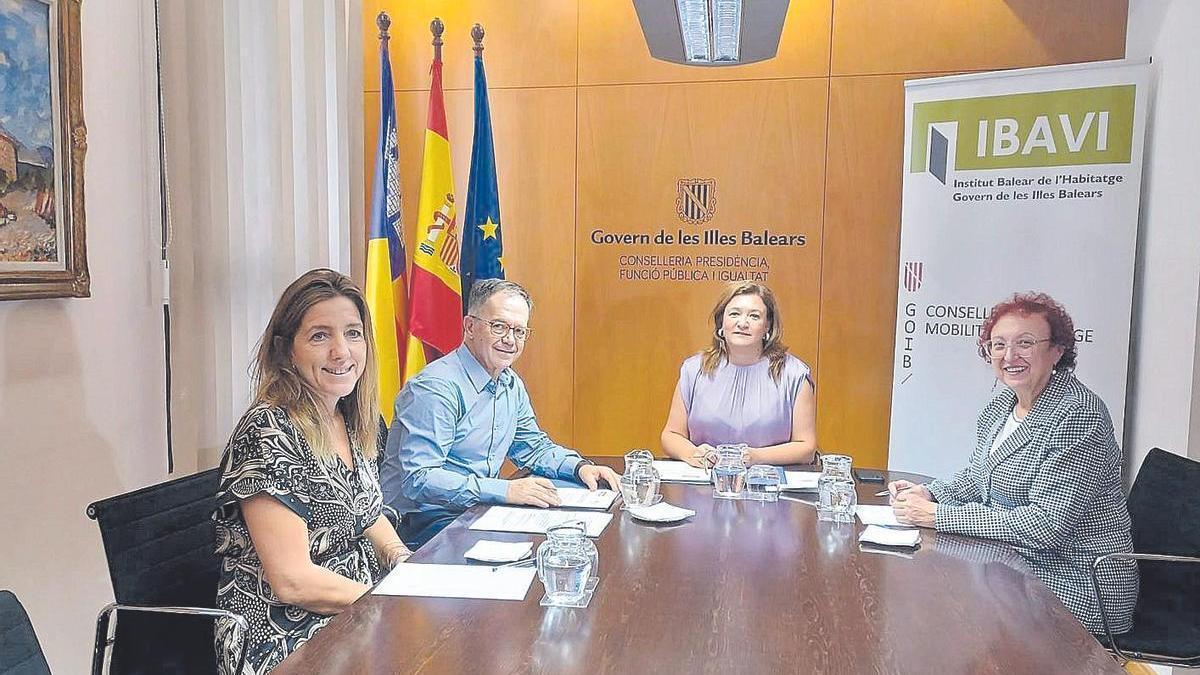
(744, 388)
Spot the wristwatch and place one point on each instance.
(583, 462)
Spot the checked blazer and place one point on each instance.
(1053, 490)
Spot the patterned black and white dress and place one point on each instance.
(268, 454)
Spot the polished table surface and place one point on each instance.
(741, 587)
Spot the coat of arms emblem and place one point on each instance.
(696, 199)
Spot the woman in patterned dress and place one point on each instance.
(1045, 476)
(299, 521)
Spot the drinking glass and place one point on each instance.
(640, 482)
(835, 488)
(762, 483)
(729, 473)
(565, 564)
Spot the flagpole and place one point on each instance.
(477, 36)
(437, 28)
(384, 22)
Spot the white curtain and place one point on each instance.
(263, 118)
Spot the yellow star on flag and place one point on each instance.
(489, 229)
(500, 259)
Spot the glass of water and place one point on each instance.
(565, 562)
(838, 497)
(640, 482)
(729, 473)
(762, 483)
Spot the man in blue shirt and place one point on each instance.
(460, 417)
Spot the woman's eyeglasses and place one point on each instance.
(1021, 347)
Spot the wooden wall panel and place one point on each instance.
(909, 36)
(860, 264)
(528, 44)
(593, 133)
(764, 145)
(534, 132)
(612, 48)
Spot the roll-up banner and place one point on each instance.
(1013, 181)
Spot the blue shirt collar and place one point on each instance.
(476, 373)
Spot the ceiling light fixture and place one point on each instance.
(712, 32)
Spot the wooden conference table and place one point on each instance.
(741, 587)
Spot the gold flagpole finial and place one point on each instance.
(384, 22)
(477, 36)
(437, 28)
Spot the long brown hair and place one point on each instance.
(277, 382)
(773, 347)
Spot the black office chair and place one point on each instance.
(1165, 507)
(159, 542)
(20, 651)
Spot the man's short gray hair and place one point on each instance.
(484, 289)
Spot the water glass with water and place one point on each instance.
(565, 562)
(762, 483)
(729, 473)
(838, 497)
(640, 482)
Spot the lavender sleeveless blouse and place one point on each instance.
(741, 404)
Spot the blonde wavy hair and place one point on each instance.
(773, 348)
(276, 381)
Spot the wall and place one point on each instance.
(81, 381)
(593, 133)
(1164, 378)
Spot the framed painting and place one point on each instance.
(42, 145)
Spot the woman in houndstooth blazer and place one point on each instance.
(1045, 476)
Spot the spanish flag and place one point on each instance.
(387, 291)
(435, 309)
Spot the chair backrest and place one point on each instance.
(1164, 505)
(159, 543)
(20, 651)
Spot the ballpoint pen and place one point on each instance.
(516, 563)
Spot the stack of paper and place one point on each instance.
(499, 551)
(457, 581)
(890, 536)
(537, 521)
(583, 498)
(876, 514)
(672, 471)
(800, 480)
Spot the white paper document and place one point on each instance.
(583, 498)
(800, 480)
(887, 536)
(673, 471)
(537, 521)
(485, 550)
(879, 514)
(457, 581)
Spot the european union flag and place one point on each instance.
(483, 243)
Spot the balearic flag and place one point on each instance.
(387, 290)
(483, 243)
(435, 296)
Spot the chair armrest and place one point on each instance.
(106, 629)
(1156, 557)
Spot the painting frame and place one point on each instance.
(70, 134)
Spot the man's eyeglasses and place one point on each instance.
(1021, 347)
(500, 329)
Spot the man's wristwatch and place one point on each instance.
(584, 462)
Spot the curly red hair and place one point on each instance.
(1062, 328)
